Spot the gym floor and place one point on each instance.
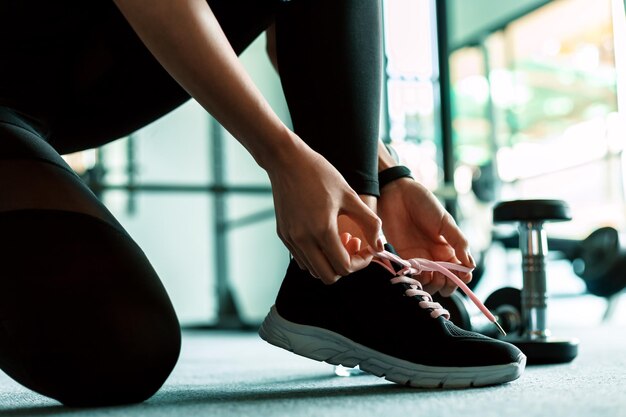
(237, 374)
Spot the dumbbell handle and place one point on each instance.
(534, 247)
(569, 248)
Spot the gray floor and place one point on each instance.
(232, 374)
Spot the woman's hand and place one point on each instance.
(417, 225)
(309, 196)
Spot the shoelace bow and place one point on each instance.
(416, 266)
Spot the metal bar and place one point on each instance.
(445, 97)
(227, 313)
(96, 174)
(131, 174)
(534, 246)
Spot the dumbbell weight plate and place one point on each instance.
(506, 304)
(602, 263)
(549, 350)
(531, 211)
(507, 296)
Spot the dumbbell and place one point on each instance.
(533, 337)
(523, 313)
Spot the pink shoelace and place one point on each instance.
(415, 266)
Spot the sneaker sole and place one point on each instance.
(326, 346)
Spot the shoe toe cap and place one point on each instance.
(482, 350)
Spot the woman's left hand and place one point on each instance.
(417, 226)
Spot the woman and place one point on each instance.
(85, 318)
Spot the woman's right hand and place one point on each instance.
(309, 196)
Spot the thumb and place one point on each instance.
(367, 220)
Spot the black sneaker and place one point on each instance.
(364, 319)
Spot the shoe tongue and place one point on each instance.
(390, 248)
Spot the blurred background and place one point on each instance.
(484, 100)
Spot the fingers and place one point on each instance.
(455, 238)
(359, 258)
(367, 220)
(434, 281)
(336, 253)
(350, 257)
(354, 248)
(315, 262)
(298, 255)
(343, 253)
(352, 245)
(326, 255)
(309, 256)
(339, 256)
(326, 271)
(431, 282)
(448, 288)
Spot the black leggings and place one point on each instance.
(84, 318)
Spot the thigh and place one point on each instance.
(84, 317)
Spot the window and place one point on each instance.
(411, 85)
(538, 103)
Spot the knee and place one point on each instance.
(85, 319)
(122, 374)
(89, 352)
(102, 366)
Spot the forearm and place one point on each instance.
(186, 38)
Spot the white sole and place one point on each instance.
(324, 345)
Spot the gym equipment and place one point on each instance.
(602, 262)
(599, 259)
(533, 337)
(522, 314)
